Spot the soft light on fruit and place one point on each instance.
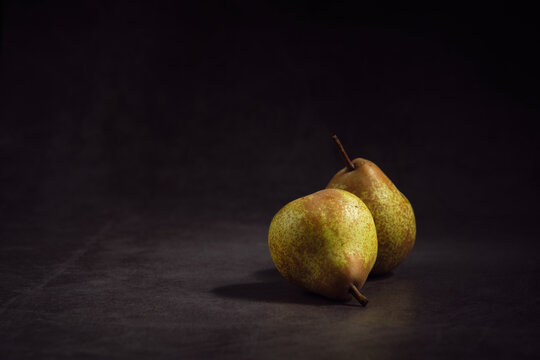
(326, 243)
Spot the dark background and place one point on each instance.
(146, 146)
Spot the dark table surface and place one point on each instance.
(160, 285)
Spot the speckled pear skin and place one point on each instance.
(324, 242)
(392, 212)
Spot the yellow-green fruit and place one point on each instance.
(392, 212)
(325, 242)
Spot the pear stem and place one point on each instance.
(348, 162)
(358, 295)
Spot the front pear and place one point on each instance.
(392, 212)
(326, 243)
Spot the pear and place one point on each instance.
(326, 243)
(392, 212)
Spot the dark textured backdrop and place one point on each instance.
(165, 117)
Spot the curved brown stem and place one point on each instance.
(358, 295)
(348, 162)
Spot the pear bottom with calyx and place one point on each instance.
(326, 243)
